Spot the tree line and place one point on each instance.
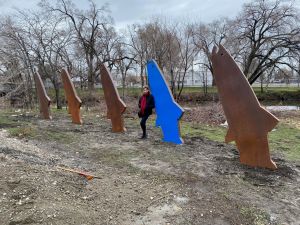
(264, 38)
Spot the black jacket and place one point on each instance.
(150, 104)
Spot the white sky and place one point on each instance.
(127, 12)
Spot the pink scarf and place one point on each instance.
(143, 103)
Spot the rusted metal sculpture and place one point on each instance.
(115, 106)
(248, 122)
(44, 99)
(74, 102)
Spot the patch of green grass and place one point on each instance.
(30, 131)
(257, 90)
(25, 131)
(278, 96)
(16, 124)
(23, 128)
(61, 137)
(7, 120)
(190, 90)
(286, 139)
(214, 133)
(256, 216)
(277, 89)
(54, 110)
(269, 94)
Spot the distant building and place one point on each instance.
(192, 79)
(197, 79)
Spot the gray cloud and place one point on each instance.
(206, 10)
(127, 12)
(7, 6)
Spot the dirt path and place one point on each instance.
(142, 182)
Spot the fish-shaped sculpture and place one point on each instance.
(248, 122)
(44, 99)
(115, 106)
(167, 109)
(74, 102)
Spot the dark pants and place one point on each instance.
(143, 124)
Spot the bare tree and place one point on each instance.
(16, 48)
(204, 80)
(170, 44)
(88, 26)
(187, 53)
(49, 43)
(123, 63)
(154, 40)
(206, 36)
(267, 33)
(138, 47)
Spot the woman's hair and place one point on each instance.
(146, 86)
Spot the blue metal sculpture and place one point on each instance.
(167, 110)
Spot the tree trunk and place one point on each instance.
(91, 78)
(29, 103)
(141, 74)
(213, 82)
(57, 96)
(91, 73)
(172, 82)
(261, 86)
(123, 85)
(299, 73)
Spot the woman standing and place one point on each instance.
(146, 104)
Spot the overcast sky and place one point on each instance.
(127, 12)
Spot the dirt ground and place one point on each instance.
(139, 181)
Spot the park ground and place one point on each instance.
(142, 181)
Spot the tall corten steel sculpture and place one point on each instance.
(248, 122)
(115, 106)
(44, 99)
(74, 102)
